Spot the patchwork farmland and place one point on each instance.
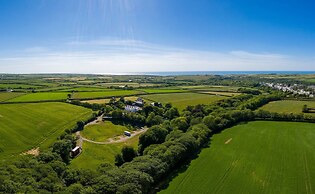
(182, 100)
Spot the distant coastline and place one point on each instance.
(178, 73)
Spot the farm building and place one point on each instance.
(158, 104)
(130, 108)
(139, 102)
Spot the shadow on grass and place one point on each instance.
(182, 167)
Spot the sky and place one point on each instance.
(119, 36)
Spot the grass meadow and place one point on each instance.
(87, 95)
(182, 100)
(212, 88)
(41, 96)
(94, 154)
(17, 86)
(25, 126)
(229, 94)
(258, 157)
(157, 90)
(4, 96)
(102, 131)
(85, 89)
(288, 106)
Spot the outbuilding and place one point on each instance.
(75, 151)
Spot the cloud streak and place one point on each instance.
(120, 56)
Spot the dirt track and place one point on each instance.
(118, 139)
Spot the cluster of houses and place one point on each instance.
(136, 105)
(294, 89)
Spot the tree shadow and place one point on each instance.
(181, 168)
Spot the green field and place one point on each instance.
(4, 96)
(98, 101)
(212, 88)
(18, 86)
(157, 90)
(229, 94)
(182, 100)
(258, 157)
(94, 154)
(85, 89)
(25, 126)
(87, 95)
(288, 106)
(132, 84)
(103, 131)
(41, 96)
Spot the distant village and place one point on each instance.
(295, 89)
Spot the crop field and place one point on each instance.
(85, 89)
(18, 86)
(212, 88)
(258, 157)
(83, 95)
(107, 100)
(182, 100)
(157, 90)
(40, 96)
(288, 106)
(97, 101)
(229, 94)
(132, 84)
(131, 98)
(97, 154)
(25, 126)
(54, 89)
(102, 131)
(4, 96)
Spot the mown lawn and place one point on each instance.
(182, 100)
(94, 154)
(288, 106)
(258, 157)
(41, 96)
(102, 131)
(4, 96)
(25, 126)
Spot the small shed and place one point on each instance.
(75, 151)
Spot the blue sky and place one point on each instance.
(112, 36)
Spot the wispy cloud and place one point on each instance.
(35, 49)
(114, 56)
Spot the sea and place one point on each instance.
(178, 73)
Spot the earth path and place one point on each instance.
(118, 139)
